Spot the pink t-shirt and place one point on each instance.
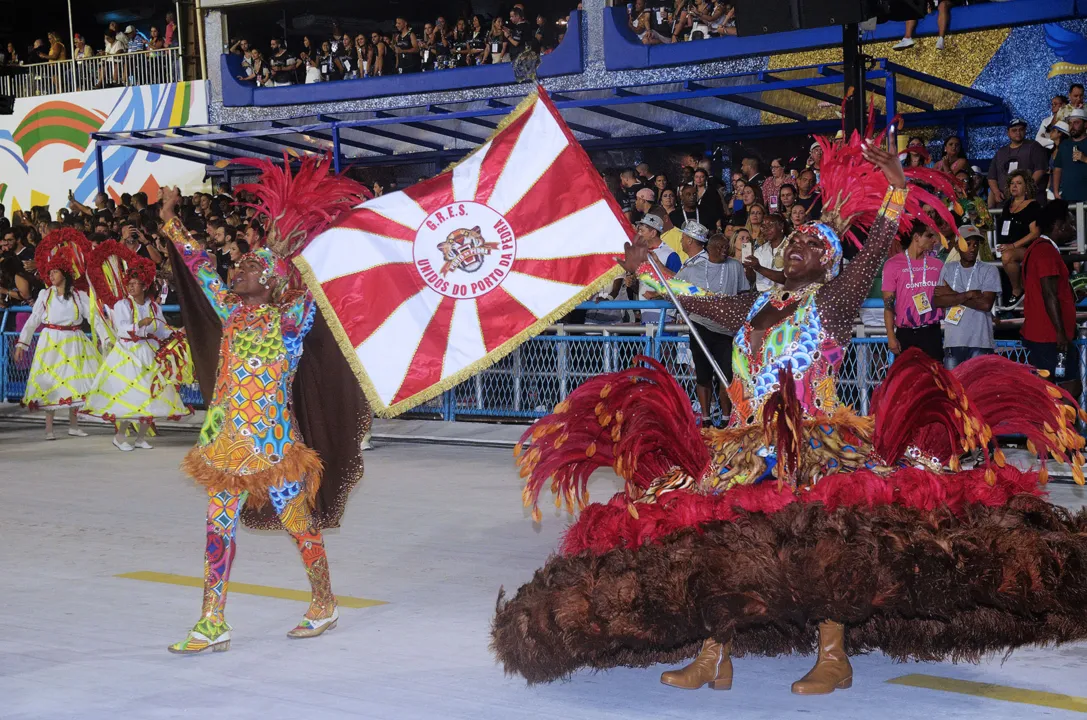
(906, 278)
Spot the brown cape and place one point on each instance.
(329, 406)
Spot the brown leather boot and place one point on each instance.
(713, 665)
(832, 670)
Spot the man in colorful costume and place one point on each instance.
(801, 515)
(251, 450)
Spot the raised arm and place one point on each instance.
(196, 258)
(729, 311)
(845, 293)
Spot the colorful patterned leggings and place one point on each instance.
(223, 511)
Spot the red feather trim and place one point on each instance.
(639, 422)
(853, 189)
(920, 403)
(299, 206)
(1014, 400)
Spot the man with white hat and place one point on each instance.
(968, 289)
(1019, 154)
(648, 231)
(1070, 165)
(137, 42)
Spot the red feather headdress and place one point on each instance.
(110, 267)
(65, 249)
(853, 188)
(296, 207)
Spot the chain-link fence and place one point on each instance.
(530, 381)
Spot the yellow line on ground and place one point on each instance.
(994, 692)
(245, 588)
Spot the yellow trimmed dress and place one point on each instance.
(65, 359)
(122, 390)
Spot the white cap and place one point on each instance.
(130, 29)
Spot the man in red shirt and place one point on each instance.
(1049, 308)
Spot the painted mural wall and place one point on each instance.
(46, 147)
(1026, 66)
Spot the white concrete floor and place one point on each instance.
(432, 530)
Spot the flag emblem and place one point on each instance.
(425, 287)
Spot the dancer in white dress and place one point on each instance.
(66, 360)
(126, 390)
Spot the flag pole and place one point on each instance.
(686, 318)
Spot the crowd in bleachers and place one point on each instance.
(438, 45)
(115, 41)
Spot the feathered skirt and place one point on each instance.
(917, 562)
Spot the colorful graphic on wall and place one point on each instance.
(46, 148)
(1025, 65)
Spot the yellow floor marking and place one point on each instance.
(994, 692)
(246, 589)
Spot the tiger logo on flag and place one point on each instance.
(465, 249)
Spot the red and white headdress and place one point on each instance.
(65, 249)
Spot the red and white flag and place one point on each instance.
(428, 286)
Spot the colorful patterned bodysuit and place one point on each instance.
(249, 441)
(249, 446)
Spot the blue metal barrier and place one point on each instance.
(535, 377)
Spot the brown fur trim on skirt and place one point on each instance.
(923, 585)
(299, 462)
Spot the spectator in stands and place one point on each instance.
(953, 158)
(137, 41)
(916, 154)
(155, 42)
(364, 55)
(648, 231)
(170, 38)
(659, 182)
(1075, 100)
(771, 187)
(943, 24)
(807, 191)
(711, 213)
(765, 266)
(753, 176)
(11, 57)
(498, 45)
(407, 48)
(974, 207)
(798, 215)
(967, 288)
(640, 22)
(1070, 166)
(628, 181)
(909, 284)
(756, 214)
(672, 236)
(1049, 309)
(688, 207)
(710, 268)
(518, 34)
(241, 48)
(1018, 228)
(282, 64)
(734, 201)
(815, 162)
(384, 58)
(1018, 154)
(57, 50)
(643, 200)
(1056, 104)
(743, 246)
(330, 68)
(81, 51)
(348, 58)
(668, 202)
(335, 42)
(786, 198)
(257, 72)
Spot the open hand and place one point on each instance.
(634, 256)
(887, 162)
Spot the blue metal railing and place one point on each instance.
(531, 380)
